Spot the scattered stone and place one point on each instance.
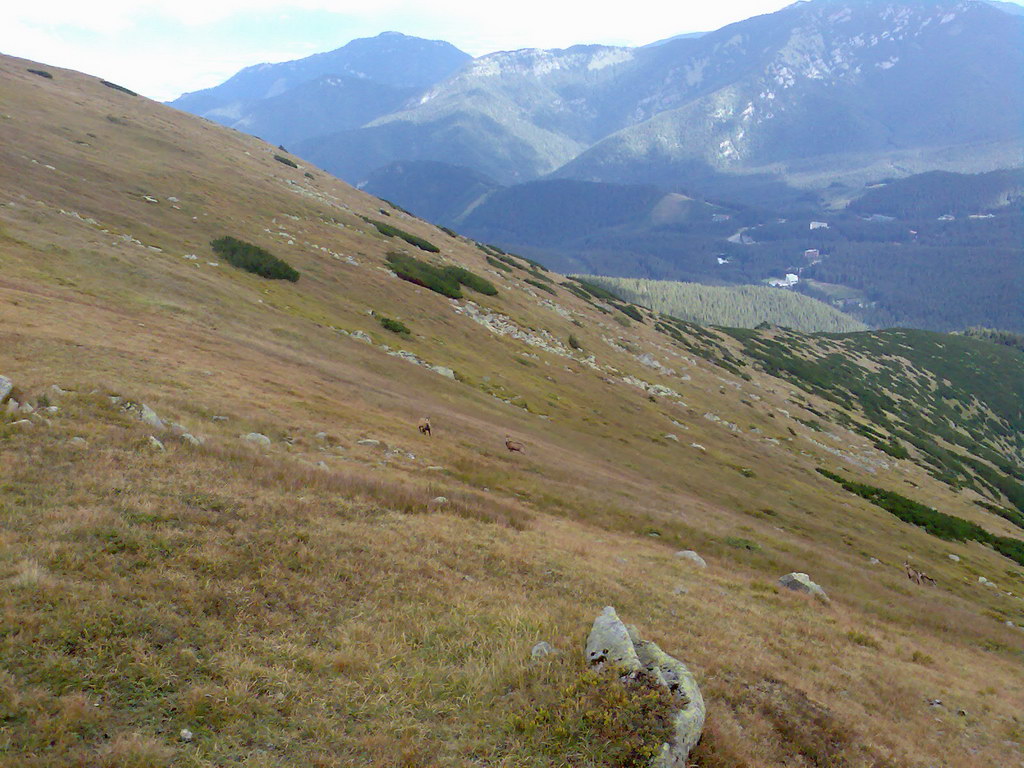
(371, 443)
(257, 438)
(801, 582)
(361, 336)
(27, 408)
(148, 416)
(150, 199)
(672, 437)
(155, 444)
(79, 441)
(12, 406)
(699, 447)
(681, 589)
(6, 385)
(186, 735)
(954, 558)
(542, 649)
(612, 643)
(218, 418)
(448, 373)
(191, 439)
(116, 399)
(51, 409)
(435, 469)
(691, 556)
(874, 561)
(22, 423)
(320, 435)
(439, 500)
(322, 465)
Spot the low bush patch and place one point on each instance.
(286, 161)
(253, 259)
(395, 326)
(444, 280)
(389, 231)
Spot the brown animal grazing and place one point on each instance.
(513, 446)
(916, 576)
(424, 426)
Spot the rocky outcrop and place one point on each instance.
(801, 582)
(613, 645)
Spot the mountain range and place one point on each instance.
(816, 92)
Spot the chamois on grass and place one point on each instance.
(916, 576)
(513, 445)
(424, 426)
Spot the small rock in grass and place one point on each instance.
(257, 438)
(801, 582)
(691, 556)
(6, 385)
(954, 558)
(439, 500)
(542, 649)
(186, 735)
(79, 442)
(673, 438)
(155, 444)
(371, 443)
(191, 439)
(320, 435)
(219, 418)
(22, 423)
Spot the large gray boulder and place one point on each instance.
(801, 582)
(613, 644)
(6, 386)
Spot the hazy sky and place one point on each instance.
(163, 48)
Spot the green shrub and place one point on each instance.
(948, 527)
(120, 88)
(422, 273)
(498, 264)
(395, 326)
(614, 724)
(253, 259)
(472, 280)
(631, 311)
(542, 286)
(42, 73)
(389, 231)
(443, 280)
(287, 161)
(738, 543)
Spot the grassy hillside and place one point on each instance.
(742, 306)
(347, 591)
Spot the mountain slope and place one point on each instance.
(821, 81)
(744, 306)
(347, 87)
(349, 591)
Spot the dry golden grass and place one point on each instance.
(291, 615)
